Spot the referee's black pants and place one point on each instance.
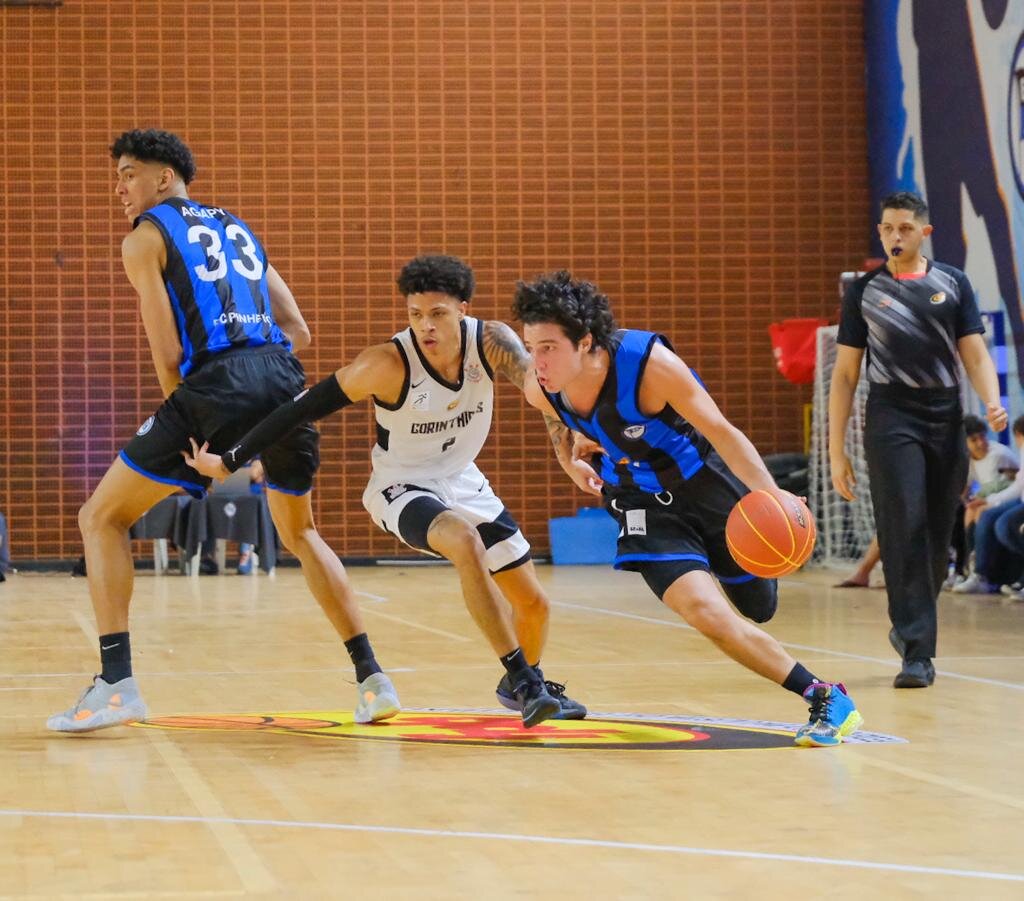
(917, 462)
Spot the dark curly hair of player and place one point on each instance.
(436, 274)
(151, 145)
(578, 307)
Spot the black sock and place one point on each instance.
(799, 680)
(359, 650)
(116, 657)
(516, 666)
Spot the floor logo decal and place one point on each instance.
(608, 732)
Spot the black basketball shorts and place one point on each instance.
(664, 536)
(219, 403)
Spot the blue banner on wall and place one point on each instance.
(945, 81)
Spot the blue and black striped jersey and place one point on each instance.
(216, 278)
(649, 453)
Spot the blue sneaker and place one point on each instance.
(569, 709)
(833, 716)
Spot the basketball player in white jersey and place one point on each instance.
(432, 388)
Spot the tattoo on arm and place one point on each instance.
(505, 352)
(560, 437)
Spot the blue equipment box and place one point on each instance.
(590, 536)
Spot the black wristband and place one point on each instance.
(321, 400)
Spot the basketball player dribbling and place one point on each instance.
(673, 467)
(221, 324)
(432, 386)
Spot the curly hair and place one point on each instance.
(151, 145)
(906, 200)
(437, 274)
(578, 307)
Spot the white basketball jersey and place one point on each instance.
(437, 428)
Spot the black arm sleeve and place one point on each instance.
(315, 403)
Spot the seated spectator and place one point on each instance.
(997, 561)
(993, 468)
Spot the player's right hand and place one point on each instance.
(843, 478)
(586, 479)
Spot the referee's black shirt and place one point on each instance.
(910, 326)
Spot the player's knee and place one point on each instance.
(468, 550)
(532, 604)
(85, 522)
(708, 616)
(297, 539)
(93, 516)
(458, 540)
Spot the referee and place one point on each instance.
(914, 317)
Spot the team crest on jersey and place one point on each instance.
(146, 426)
(938, 297)
(633, 432)
(421, 400)
(473, 373)
(394, 491)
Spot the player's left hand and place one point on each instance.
(205, 463)
(997, 417)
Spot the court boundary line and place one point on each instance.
(609, 844)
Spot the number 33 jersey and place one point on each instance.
(216, 279)
(436, 428)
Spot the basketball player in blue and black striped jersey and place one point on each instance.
(917, 319)
(672, 468)
(222, 325)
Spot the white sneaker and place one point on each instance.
(378, 699)
(101, 705)
(975, 584)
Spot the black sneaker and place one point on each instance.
(534, 701)
(916, 673)
(570, 709)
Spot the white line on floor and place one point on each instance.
(527, 839)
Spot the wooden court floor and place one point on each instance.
(682, 784)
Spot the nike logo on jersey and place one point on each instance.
(417, 384)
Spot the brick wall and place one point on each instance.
(702, 161)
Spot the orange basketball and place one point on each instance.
(770, 533)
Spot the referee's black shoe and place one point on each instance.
(916, 673)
